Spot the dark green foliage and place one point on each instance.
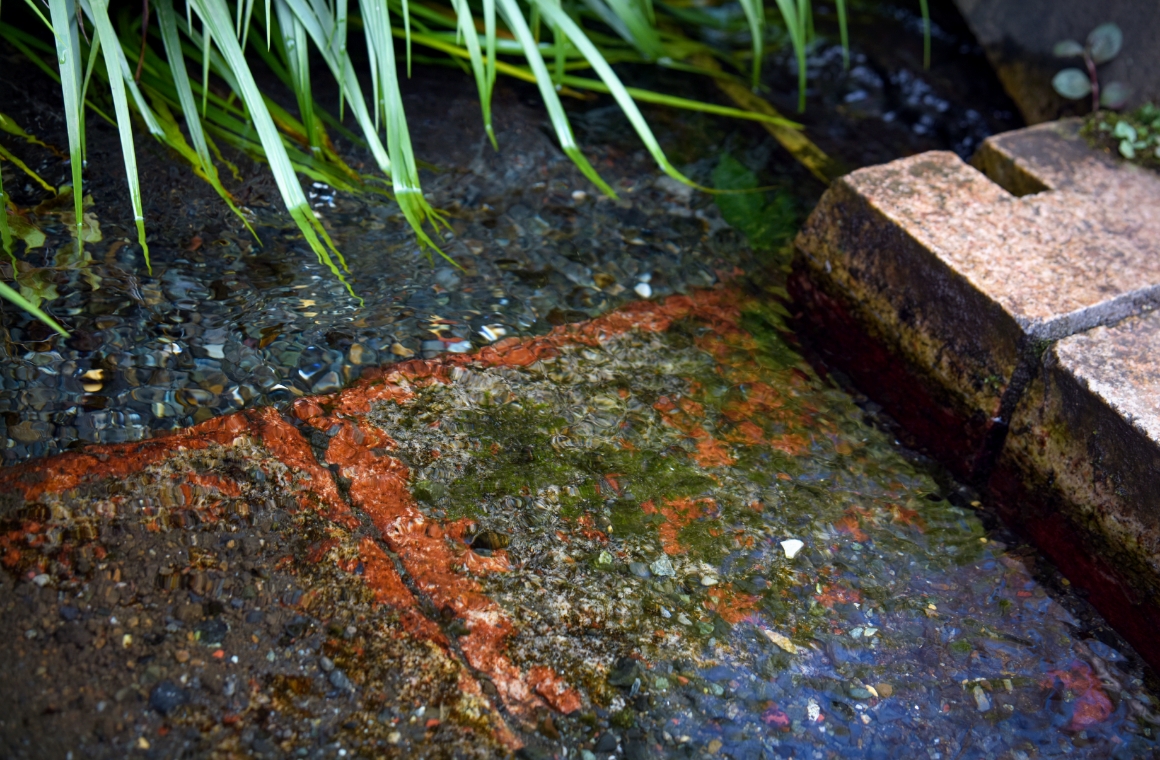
(768, 220)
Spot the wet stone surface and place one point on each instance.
(657, 533)
(223, 323)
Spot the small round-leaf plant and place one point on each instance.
(1134, 134)
(1103, 44)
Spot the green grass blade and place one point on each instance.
(215, 16)
(341, 14)
(128, 75)
(660, 98)
(404, 169)
(11, 295)
(68, 54)
(489, 34)
(925, 7)
(755, 15)
(7, 155)
(247, 15)
(90, 66)
(296, 52)
(615, 87)
(319, 28)
(167, 21)
(632, 24)
(407, 33)
(649, 11)
(117, 68)
(514, 18)
(206, 48)
(843, 32)
(471, 39)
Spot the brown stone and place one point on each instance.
(1018, 38)
(1004, 315)
(1084, 450)
(959, 277)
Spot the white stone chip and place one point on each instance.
(792, 546)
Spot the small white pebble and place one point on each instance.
(643, 289)
(792, 546)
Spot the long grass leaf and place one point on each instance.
(633, 25)
(215, 17)
(471, 39)
(68, 54)
(925, 8)
(404, 170)
(247, 17)
(795, 25)
(206, 48)
(615, 87)
(167, 21)
(407, 33)
(843, 32)
(117, 69)
(320, 30)
(514, 18)
(7, 155)
(296, 52)
(90, 66)
(11, 295)
(489, 34)
(341, 13)
(755, 14)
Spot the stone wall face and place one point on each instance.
(1006, 321)
(1018, 38)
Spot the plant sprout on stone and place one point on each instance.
(1103, 44)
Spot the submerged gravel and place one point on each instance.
(656, 534)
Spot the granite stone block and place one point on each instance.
(1086, 435)
(962, 277)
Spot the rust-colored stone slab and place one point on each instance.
(957, 275)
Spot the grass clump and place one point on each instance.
(186, 75)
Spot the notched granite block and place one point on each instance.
(961, 277)
(1086, 438)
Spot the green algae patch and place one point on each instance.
(645, 484)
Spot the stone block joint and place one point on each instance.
(1004, 314)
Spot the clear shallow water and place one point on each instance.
(899, 628)
(645, 486)
(223, 323)
(230, 324)
(667, 527)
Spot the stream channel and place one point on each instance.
(645, 527)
